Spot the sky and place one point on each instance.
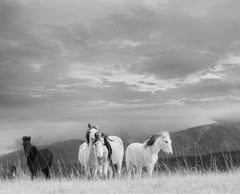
(132, 67)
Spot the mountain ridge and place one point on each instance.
(199, 140)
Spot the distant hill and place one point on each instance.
(206, 139)
(201, 140)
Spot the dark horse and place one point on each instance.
(37, 159)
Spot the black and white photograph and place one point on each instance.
(119, 96)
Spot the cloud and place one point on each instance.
(99, 76)
(135, 66)
(204, 100)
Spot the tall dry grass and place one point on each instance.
(182, 180)
(177, 182)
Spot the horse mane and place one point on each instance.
(87, 136)
(151, 140)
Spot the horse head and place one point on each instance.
(166, 142)
(99, 146)
(90, 135)
(160, 140)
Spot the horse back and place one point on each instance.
(135, 154)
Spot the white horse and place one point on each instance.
(146, 154)
(102, 153)
(85, 154)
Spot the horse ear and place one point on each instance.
(164, 133)
(97, 127)
(89, 126)
(26, 138)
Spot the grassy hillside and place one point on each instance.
(196, 145)
(214, 182)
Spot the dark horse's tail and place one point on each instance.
(48, 170)
(50, 161)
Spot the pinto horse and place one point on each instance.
(85, 154)
(102, 153)
(146, 154)
(37, 159)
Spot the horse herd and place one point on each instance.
(102, 156)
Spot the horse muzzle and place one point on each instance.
(100, 158)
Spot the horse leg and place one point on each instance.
(150, 170)
(100, 171)
(87, 171)
(105, 170)
(33, 173)
(46, 173)
(119, 169)
(128, 169)
(110, 170)
(139, 171)
(95, 172)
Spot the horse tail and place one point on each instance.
(109, 148)
(50, 160)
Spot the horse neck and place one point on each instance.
(90, 148)
(90, 145)
(31, 150)
(157, 146)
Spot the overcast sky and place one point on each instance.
(130, 66)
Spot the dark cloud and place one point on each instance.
(178, 63)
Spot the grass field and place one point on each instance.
(212, 182)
